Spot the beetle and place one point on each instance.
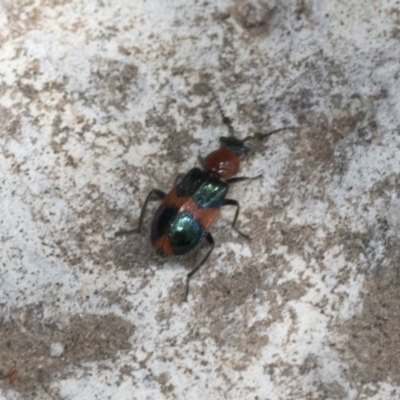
(188, 211)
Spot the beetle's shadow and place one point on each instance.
(132, 251)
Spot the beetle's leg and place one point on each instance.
(231, 202)
(211, 244)
(155, 192)
(242, 178)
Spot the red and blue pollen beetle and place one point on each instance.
(187, 212)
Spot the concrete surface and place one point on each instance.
(100, 101)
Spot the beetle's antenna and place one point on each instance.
(257, 136)
(225, 120)
(262, 136)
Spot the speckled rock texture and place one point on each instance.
(101, 101)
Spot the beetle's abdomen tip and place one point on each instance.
(163, 246)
